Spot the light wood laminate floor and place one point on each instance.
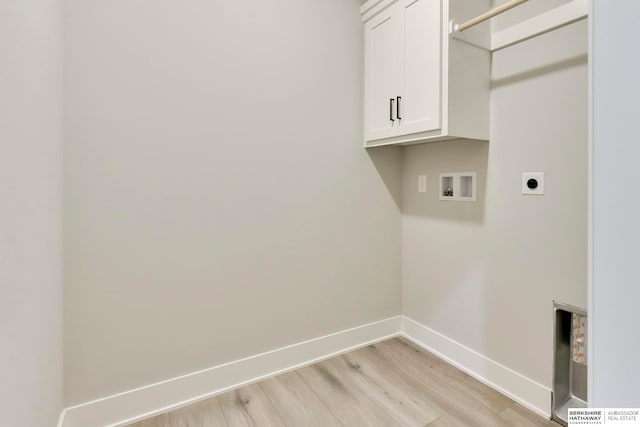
(392, 383)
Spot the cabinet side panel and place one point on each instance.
(469, 76)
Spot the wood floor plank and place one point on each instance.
(296, 403)
(443, 421)
(249, 406)
(460, 381)
(492, 398)
(207, 413)
(157, 421)
(518, 415)
(440, 391)
(386, 388)
(349, 406)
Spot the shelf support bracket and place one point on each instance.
(472, 36)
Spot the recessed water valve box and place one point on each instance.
(458, 186)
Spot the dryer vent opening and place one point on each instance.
(569, 360)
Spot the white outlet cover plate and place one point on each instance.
(422, 183)
(538, 176)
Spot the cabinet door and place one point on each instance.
(420, 78)
(381, 74)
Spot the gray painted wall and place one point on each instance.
(218, 201)
(485, 274)
(30, 213)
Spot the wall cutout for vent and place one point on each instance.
(458, 186)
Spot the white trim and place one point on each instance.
(591, 211)
(61, 418)
(374, 7)
(512, 384)
(144, 402)
(369, 5)
(133, 405)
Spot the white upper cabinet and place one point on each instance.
(420, 73)
(382, 76)
(420, 86)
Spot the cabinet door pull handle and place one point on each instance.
(391, 109)
(398, 107)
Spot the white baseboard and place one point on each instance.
(61, 418)
(134, 405)
(130, 406)
(516, 386)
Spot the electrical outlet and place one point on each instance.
(533, 183)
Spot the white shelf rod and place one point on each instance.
(490, 14)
